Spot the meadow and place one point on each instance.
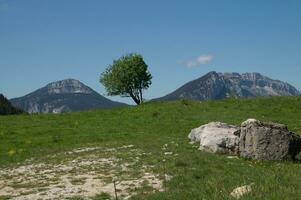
(154, 136)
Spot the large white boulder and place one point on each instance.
(216, 137)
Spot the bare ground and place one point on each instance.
(81, 173)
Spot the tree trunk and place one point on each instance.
(140, 93)
(137, 101)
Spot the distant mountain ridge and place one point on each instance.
(216, 85)
(67, 95)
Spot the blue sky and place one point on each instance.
(42, 41)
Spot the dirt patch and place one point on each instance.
(83, 173)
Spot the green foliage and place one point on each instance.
(128, 76)
(6, 107)
(196, 174)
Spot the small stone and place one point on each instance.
(241, 191)
(232, 157)
(1, 184)
(168, 177)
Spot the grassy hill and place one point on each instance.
(154, 129)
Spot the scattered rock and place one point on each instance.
(232, 157)
(126, 146)
(84, 175)
(268, 141)
(167, 177)
(2, 184)
(241, 191)
(81, 150)
(216, 137)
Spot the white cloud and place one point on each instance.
(200, 60)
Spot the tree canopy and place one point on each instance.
(128, 76)
(6, 108)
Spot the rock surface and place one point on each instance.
(267, 141)
(216, 137)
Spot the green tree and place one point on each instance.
(6, 108)
(128, 77)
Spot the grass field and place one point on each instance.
(149, 138)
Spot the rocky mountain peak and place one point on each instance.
(68, 86)
(216, 85)
(212, 74)
(63, 96)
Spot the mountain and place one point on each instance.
(6, 108)
(222, 85)
(63, 96)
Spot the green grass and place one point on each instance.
(196, 175)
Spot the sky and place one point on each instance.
(42, 41)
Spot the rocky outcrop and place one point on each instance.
(68, 86)
(216, 85)
(216, 137)
(268, 141)
(253, 140)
